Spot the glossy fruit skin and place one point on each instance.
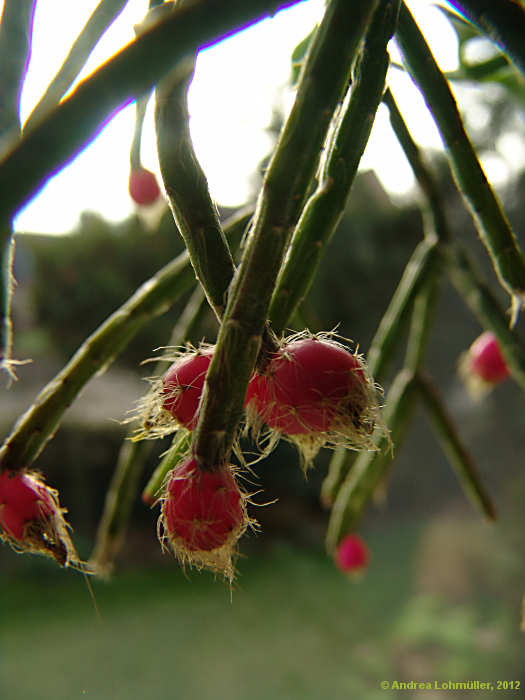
(22, 500)
(486, 360)
(307, 385)
(352, 554)
(182, 387)
(143, 187)
(201, 509)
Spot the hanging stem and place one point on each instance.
(131, 72)
(325, 207)
(135, 160)
(422, 264)
(284, 189)
(101, 18)
(118, 504)
(456, 452)
(434, 206)
(187, 190)
(491, 222)
(16, 26)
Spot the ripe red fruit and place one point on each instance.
(352, 554)
(310, 386)
(143, 187)
(202, 510)
(31, 519)
(486, 360)
(182, 386)
(23, 501)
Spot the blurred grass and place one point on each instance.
(294, 628)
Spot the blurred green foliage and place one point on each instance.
(79, 279)
(334, 638)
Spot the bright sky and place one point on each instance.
(236, 84)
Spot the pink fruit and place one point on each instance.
(143, 187)
(182, 386)
(310, 385)
(485, 359)
(202, 510)
(23, 500)
(352, 554)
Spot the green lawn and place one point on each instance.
(294, 629)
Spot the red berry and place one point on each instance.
(23, 500)
(182, 386)
(352, 554)
(143, 187)
(485, 359)
(201, 509)
(308, 384)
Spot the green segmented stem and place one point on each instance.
(326, 206)
(338, 468)
(435, 206)
(100, 19)
(16, 24)
(502, 21)
(453, 447)
(118, 504)
(15, 48)
(131, 72)
(6, 295)
(370, 468)
(421, 323)
(187, 189)
(484, 305)
(421, 265)
(321, 85)
(135, 160)
(491, 222)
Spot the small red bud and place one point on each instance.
(143, 187)
(352, 554)
(483, 365)
(486, 359)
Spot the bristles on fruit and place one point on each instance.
(203, 515)
(31, 519)
(173, 398)
(315, 393)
